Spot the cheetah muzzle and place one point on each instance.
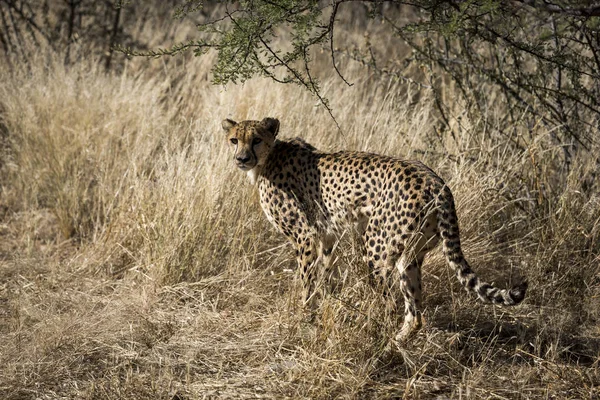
(402, 208)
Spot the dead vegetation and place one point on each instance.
(135, 261)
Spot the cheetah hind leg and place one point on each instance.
(409, 267)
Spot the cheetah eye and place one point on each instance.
(233, 140)
(256, 141)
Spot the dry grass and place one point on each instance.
(135, 261)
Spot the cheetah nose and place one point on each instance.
(243, 159)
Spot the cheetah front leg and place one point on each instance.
(409, 267)
(306, 255)
(292, 221)
(330, 275)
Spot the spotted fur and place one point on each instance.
(402, 209)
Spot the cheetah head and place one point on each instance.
(251, 140)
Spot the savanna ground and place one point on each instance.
(135, 261)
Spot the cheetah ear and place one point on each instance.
(271, 125)
(227, 124)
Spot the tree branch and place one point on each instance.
(592, 10)
(336, 4)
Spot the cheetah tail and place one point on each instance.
(448, 228)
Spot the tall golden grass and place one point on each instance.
(135, 261)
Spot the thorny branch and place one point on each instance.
(543, 55)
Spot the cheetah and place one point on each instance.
(403, 209)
